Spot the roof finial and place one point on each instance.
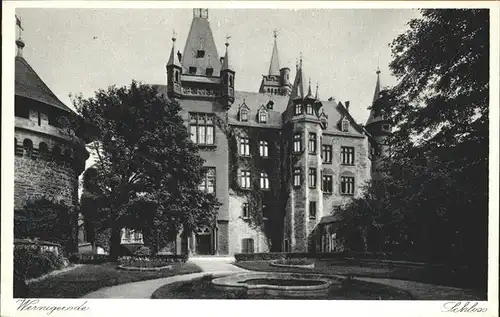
(19, 41)
(209, 60)
(174, 35)
(317, 95)
(296, 63)
(227, 41)
(300, 63)
(378, 70)
(275, 32)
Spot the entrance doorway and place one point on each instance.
(203, 244)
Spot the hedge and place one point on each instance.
(33, 263)
(81, 258)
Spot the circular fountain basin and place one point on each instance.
(277, 284)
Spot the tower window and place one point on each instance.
(347, 155)
(312, 210)
(177, 76)
(263, 149)
(347, 185)
(297, 143)
(312, 177)
(230, 80)
(202, 128)
(312, 143)
(327, 154)
(264, 181)
(327, 184)
(297, 177)
(244, 147)
(298, 109)
(192, 70)
(309, 109)
(245, 179)
(200, 54)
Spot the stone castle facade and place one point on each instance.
(284, 139)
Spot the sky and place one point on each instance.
(82, 50)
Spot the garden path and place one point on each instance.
(144, 289)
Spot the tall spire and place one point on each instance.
(274, 66)
(376, 94)
(309, 91)
(19, 41)
(173, 59)
(226, 65)
(317, 94)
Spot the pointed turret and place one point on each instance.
(309, 92)
(298, 89)
(274, 66)
(174, 70)
(227, 75)
(375, 115)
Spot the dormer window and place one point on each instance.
(200, 54)
(345, 125)
(244, 115)
(262, 116)
(298, 109)
(192, 70)
(209, 71)
(309, 109)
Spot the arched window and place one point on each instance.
(43, 150)
(230, 80)
(243, 115)
(262, 116)
(27, 147)
(345, 125)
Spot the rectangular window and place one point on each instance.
(312, 143)
(312, 177)
(347, 155)
(297, 177)
(192, 70)
(245, 211)
(264, 181)
(244, 115)
(309, 109)
(263, 149)
(327, 184)
(298, 109)
(327, 154)
(208, 182)
(201, 127)
(262, 116)
(200, 54)
(312, 210)
(347, 185)
(245, 179)
(297, 143)
(244, 147)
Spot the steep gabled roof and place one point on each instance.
(200, 37)
(29, 85)
(298, 90)
(374, 116)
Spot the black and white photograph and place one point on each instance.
(245, 153)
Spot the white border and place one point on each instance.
(238, 308)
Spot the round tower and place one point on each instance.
(286, 85)
(49, 149)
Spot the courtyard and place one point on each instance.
(192, 280)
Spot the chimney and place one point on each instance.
(347, 105)
(179, 55)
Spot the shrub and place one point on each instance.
(143, 251)
(31, 263)
(143, 262)
(299, 261)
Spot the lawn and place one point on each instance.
(88, 278)
(351, 289)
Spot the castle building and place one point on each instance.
(49, 156)
(281, 152)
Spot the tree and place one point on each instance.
(47, 220)
(147, 171)
(434, 200)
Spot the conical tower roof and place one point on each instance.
(274, 66)
(309, 92)
(226, 65)
(374, 115)
(29, 85)
(200, 46)
(173, 59)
